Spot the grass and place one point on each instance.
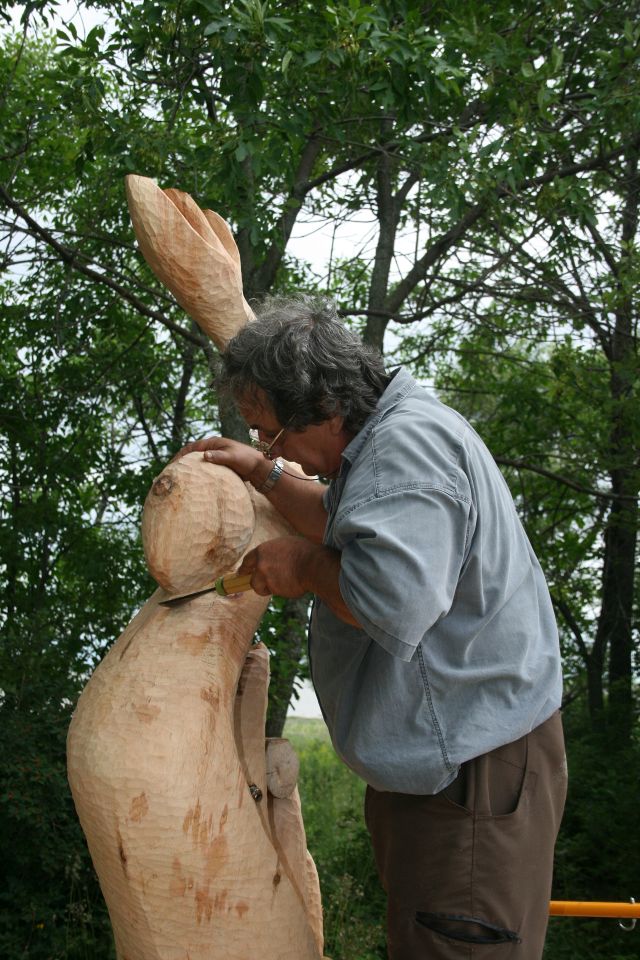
(303, 731)
(332, 803)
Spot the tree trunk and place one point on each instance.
(387, 214)
(615, 626)
(166, 752)
(285, 665)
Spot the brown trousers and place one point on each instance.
(468, 871)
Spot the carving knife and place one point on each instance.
(223, 586)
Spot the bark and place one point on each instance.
(387, 213)
(243, 236)
(14, 540)
(261, 280)
(615, 625)
(593, 662)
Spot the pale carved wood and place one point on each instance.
(197, 858)
(193, 253)
(282, 767)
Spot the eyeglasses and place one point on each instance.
(262, 445)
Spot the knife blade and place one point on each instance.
(223, 586)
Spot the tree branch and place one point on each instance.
(475, 212)
(572, 623)
(264, 277)
(471, 116)
(179, 407)
(522, 465)
(74, 260)
(137, 402)
(601, 245)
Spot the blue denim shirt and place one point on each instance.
(459, 649)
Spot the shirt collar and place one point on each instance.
(400, 384)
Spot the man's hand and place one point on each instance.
(293, 566)
(300, 502)
(280, 566)
(250, 464)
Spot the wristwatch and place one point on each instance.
(273, 477)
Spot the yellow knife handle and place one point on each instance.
(233, 583)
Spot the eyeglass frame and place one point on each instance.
(265, 448)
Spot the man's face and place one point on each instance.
(317, 448)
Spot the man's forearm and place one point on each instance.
(298, 500)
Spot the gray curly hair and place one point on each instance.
(309, 365)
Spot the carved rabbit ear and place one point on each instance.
(192, 214)
(221, 229)
(187, 256)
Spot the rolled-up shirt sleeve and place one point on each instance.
(402, 553)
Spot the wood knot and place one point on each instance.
(162, 486)
(122, 855)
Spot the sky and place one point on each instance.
(307, 703)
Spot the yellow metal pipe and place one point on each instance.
(587, 908)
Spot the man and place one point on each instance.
(432, 642)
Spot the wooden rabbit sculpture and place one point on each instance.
(194, 828)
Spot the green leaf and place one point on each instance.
(241, 152)
(557, 59)
(215, 26)
(213, 6)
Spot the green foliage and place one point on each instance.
(87, 391)
(597, 853)
(283, 631)
(72, 575)
(50, 902)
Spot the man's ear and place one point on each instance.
(336, 425)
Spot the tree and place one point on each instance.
(494, 148)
